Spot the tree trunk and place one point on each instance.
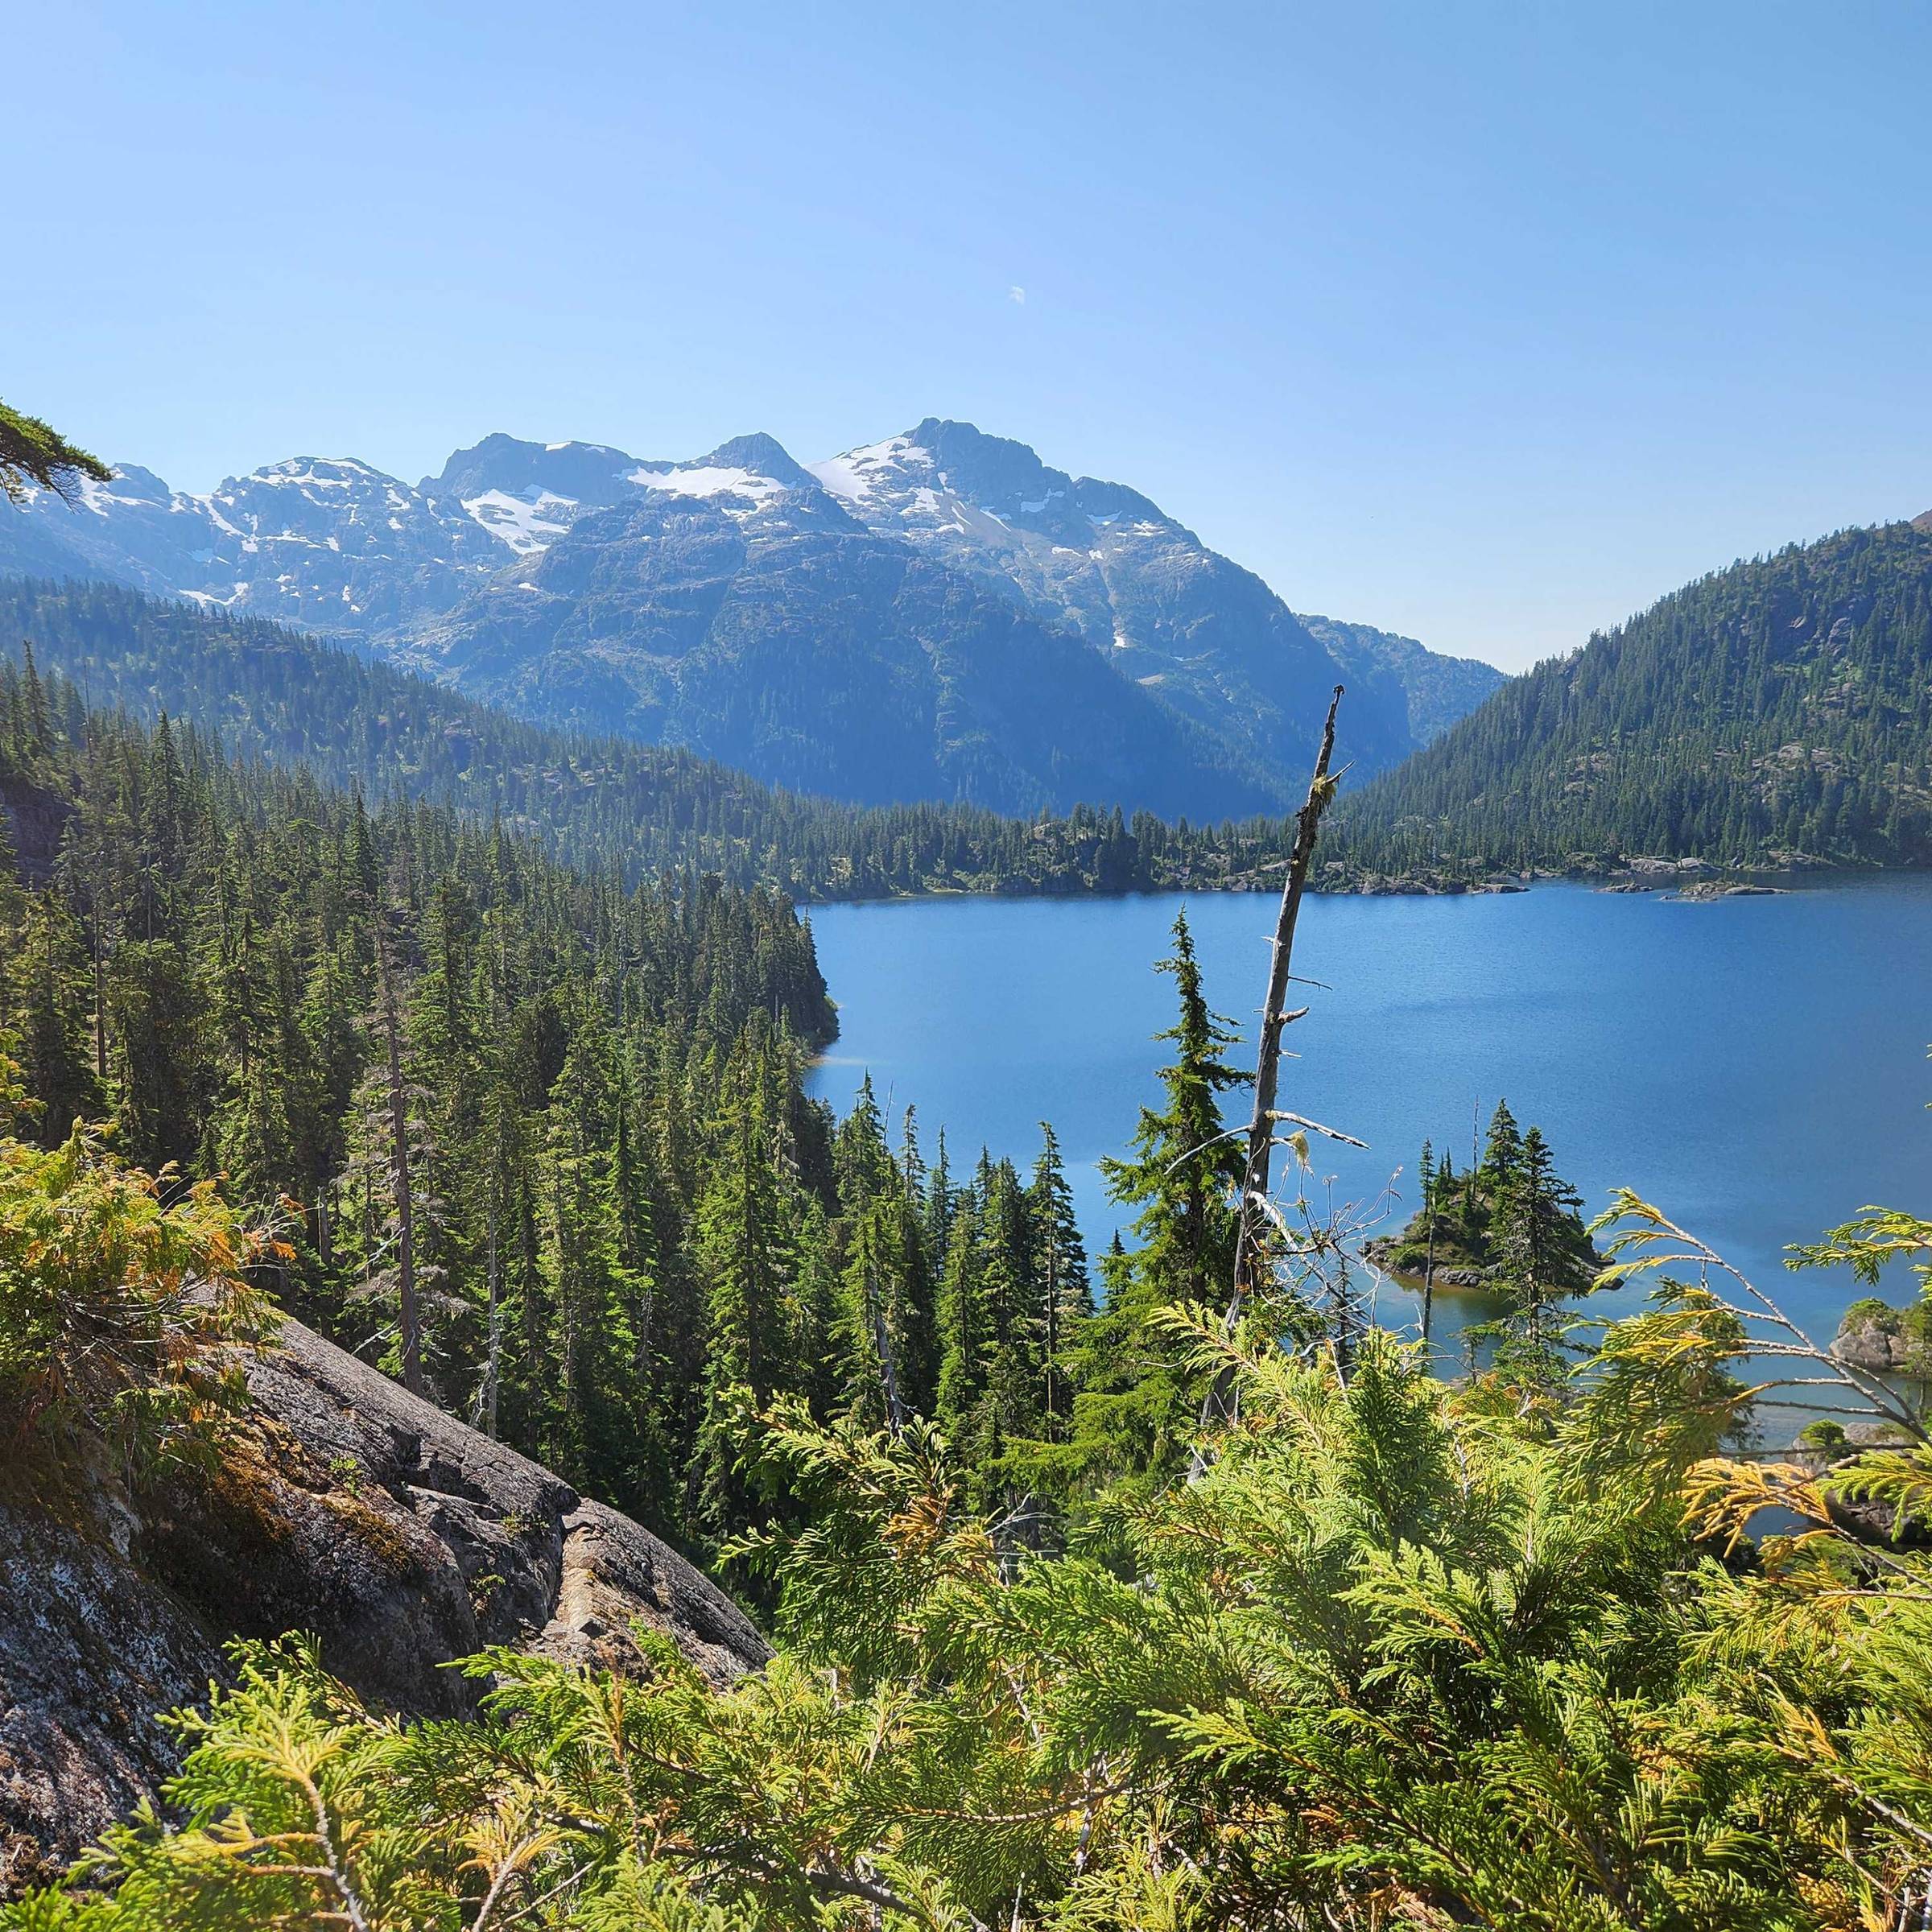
(1250, 1229)
(408, 1315)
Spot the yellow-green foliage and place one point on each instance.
(120, 1309)
(1402, 1655)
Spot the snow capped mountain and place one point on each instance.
(990, 506)
(326, 543)
(748, 477)
(566, 577)
(1209, 637)
(734, 606)
(526, 494)
(589, 473)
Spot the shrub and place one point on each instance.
(120, 1316)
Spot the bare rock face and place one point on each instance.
(344, 1506)
(90, 1652)
(1876, 1345)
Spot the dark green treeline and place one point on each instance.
(273, 694)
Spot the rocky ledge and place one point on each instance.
(1380, 1251)
(342, 1506)
(1878, 1342)
(1725, 888)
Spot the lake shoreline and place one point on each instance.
(1638, 876)
(1760, 1075)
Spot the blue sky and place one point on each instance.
(1487, 323)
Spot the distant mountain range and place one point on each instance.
(1433, 691)
(937, 615)
(1777, 711)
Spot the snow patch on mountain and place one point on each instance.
(704, 480)
(855, 475)
(525, 522)
(100, 498)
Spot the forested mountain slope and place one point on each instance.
(273, 693)
(259, 979)
(1780, 708)
(537, 1142)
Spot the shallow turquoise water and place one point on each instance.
(1755, 1067)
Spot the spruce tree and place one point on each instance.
(1060, 1270)
(1185, 1166)
(1539, 1249)
(742, 1263)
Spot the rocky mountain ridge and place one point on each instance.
(524, 573)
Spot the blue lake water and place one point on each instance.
(1756, 1066)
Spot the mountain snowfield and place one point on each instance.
(757, 609)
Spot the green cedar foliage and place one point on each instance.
(35, 455)
(1403, 1655)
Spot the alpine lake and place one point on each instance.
(1754, 1066)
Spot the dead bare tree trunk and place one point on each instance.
(1251, 1231)
(1428, 1269)
(486, 1402)
(889, 1373)
(409, 1316)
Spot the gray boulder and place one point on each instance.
(342, 1506)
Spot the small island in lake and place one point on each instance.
(1508, 1223)
(1874, 1335)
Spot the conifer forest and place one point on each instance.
(771, 1160)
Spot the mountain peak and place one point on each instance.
(947, 433)
(587, 473)
(762, 455)
(1924, 522)
(748, 473)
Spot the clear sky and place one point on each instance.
(1487, 323)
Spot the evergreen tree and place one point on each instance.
(1502, 1153)
(1540, 1251)
(35, 456)
(1059, 1268)
(1138, 1402)
(740, 1258)
(1185, 1167)
(51, 980)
